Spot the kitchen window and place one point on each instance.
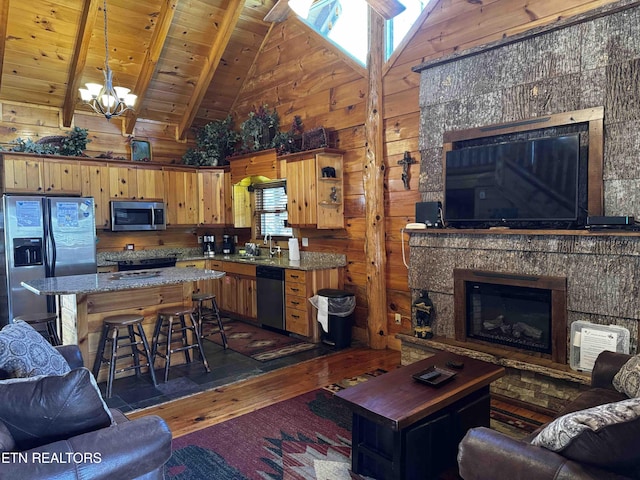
(271, 209)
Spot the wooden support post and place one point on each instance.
(373, 178)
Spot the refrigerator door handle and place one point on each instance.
(50, 263)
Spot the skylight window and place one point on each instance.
(399, 26)
(345, 23)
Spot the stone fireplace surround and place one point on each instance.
(574, 64)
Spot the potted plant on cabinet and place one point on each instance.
(214, 142)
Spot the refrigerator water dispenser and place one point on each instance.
(27, 251)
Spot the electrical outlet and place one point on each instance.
(199, 238)
(398, 319)
(130, 246)
(305, 242)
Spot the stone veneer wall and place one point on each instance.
(587, 63)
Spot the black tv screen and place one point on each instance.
(518, 184)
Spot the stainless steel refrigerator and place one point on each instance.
(43, 237)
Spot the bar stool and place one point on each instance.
(111, 333)
(171, 324)
(204, 316)
(45, 323)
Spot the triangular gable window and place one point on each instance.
(345, 23)
(399, 26)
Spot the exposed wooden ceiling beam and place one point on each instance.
(150, 61)
(225, 29)
(79, 58)
(278, 13)
(4, 20)
(387, 8)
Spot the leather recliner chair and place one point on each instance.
(127, 450)
(485, 454)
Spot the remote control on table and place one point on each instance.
(430, 375)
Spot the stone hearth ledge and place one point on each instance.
(433, 345)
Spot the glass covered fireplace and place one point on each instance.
(522, 312)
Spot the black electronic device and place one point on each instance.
(434, 376)
(535, 183)
(429, 213)
(604, 221)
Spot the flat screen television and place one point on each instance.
(523, 184)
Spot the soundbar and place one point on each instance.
(609, 221)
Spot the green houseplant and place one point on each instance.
(259, 130)
(72, 144)
(214, 142)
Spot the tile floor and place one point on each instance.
(132, 393)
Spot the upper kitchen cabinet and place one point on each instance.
(181, 195)
(214, 188)
(315, 188)
(136, 182)
(257, 164)
(31, 174)
(95, 183)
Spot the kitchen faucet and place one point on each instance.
(268, 236)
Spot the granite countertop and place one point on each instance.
(112, 282)
(308, 260)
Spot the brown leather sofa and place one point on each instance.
(485, 454)
(136, 449)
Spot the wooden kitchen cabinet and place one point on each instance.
(181, 196)
(212, 191)
(35, 175)
(95, 183)
(296, 311)
(238, 295)
(299, 286)
(136, 182)
(201, 286)
(314, 200)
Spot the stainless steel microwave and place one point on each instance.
(137, 215)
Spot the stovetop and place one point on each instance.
(144, 263)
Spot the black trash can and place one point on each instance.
(341, 305)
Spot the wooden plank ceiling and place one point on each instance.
(185, 59)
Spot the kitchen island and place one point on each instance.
(85, 300)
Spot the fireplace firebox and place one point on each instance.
(526, 313)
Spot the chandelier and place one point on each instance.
(106, 99)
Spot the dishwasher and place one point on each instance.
(270, 296)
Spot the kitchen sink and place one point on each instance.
(260, 260)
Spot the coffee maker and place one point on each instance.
(227, 244)
(209, 245)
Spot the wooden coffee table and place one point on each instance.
(404, 429)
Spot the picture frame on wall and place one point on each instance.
(140, 151)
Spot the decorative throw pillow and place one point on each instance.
(44, 409)
(604, 436)
(627, 380)
(25, 353)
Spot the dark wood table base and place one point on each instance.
(422, 451)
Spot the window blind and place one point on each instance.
(271, 209)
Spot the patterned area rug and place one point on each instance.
(257, 343)
(305, 438)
